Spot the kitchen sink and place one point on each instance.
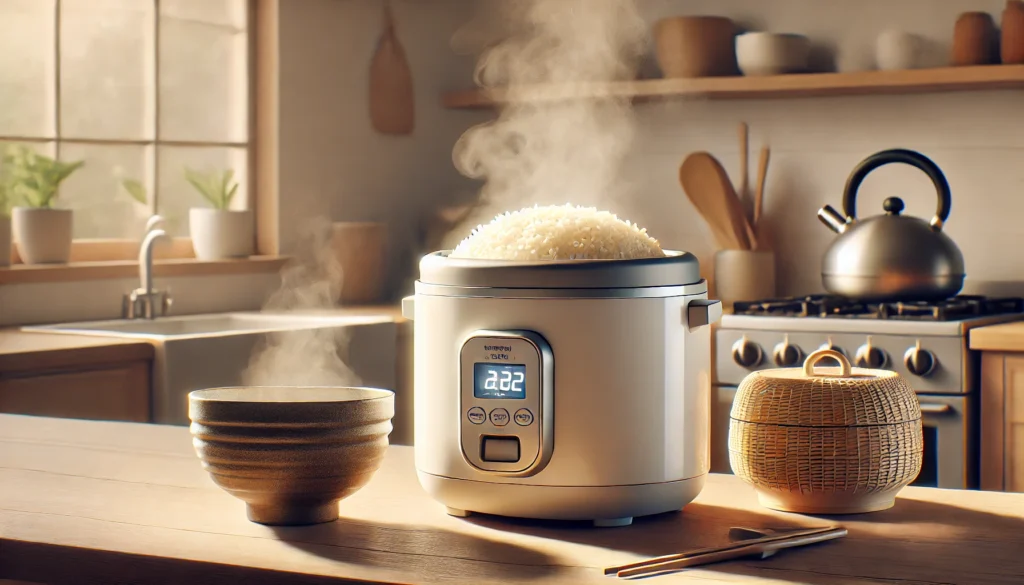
(204, 351)
(203, 325)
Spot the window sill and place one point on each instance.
(76, 271)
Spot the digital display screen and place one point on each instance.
(499, 381)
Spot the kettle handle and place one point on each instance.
(899, 155)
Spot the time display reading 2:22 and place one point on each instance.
(499, 380)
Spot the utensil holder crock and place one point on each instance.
(826, 440)
(744, 275)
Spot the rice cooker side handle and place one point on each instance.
(701, 312)
(409, 307)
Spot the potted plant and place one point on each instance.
(219, 231)
(43, 233)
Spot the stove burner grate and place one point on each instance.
(827, 306)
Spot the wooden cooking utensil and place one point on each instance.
(708, 187)
(762, 173)
(744, 163)
(761, 544)
(392, 103)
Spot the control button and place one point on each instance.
(746, 353)
(786, 355)
(500, 449)
(524, 417)
(920, 362)
(476, 415)
(499, 417)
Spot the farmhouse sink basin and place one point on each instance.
(193, 352)
(204, 325)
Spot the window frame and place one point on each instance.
(261, 197)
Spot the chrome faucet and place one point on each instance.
(146, 302)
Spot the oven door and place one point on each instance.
(950, 452)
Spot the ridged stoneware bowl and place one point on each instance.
(291, 453)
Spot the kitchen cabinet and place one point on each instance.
(1002, 421)
(117, 392)
(1002, 405)
(71, 376)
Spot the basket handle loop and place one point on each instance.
(816, 356)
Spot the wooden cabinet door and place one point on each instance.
(118, 392)
(1013, 425)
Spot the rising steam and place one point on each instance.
(555, 152)
(310, 282)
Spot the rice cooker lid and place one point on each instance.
(674, 269)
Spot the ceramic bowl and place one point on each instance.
(291, 453)
(695, 46)
(765, 53)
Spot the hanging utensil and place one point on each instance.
(708, 187)
(392, 101)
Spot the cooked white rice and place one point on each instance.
(558, 232)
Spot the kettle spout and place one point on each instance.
(831, 218)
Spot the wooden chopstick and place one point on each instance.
(725, 553)
(739, 544)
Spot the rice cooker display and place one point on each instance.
(499, 381)
(506, 401)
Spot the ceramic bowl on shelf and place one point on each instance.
(695, 46)
(766, 53)
(291, 453)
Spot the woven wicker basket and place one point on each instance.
(827, 441)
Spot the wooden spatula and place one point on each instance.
(392, 103)
(708, 187)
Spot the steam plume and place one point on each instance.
(556, 152)
(305, 357)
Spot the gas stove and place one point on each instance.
(925, 343)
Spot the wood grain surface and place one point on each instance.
(102, 502)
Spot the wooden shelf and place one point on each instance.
(946, 79)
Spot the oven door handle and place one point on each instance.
(927, 408)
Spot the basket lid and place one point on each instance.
(825, 397)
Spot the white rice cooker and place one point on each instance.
(564, 390)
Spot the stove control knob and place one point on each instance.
(786, 355)
(869, 356)
(920, 362)
(746, 353)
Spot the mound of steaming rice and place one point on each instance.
(558, 232)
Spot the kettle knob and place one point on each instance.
(893, 205)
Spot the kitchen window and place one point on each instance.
(140, 90)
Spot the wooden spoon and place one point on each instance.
(708, 187)
(762, 173)
(392, 102)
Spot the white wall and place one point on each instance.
(333, 163)
(977, 139)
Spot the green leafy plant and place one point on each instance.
(32, 178)
(217, 188)
(135, 189)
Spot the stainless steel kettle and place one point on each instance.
(891, 257)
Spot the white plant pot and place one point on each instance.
(5, 240)
(43, 235)
(221, 233)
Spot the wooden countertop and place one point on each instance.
(33, 351)
(101, 502)
(1001, 337)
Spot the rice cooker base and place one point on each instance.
(622, 431)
